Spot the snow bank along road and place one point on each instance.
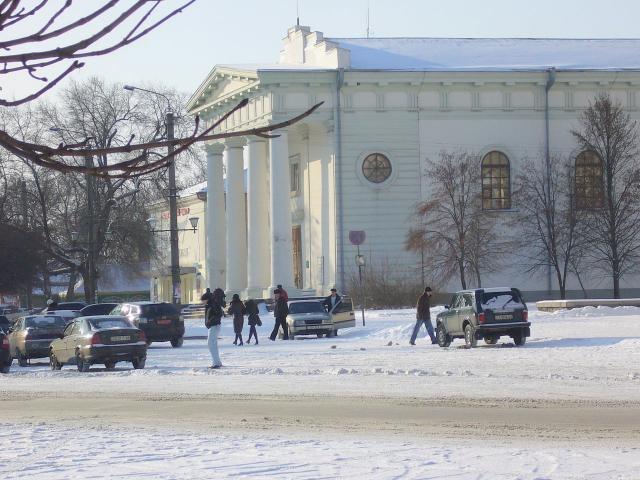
(567, 405)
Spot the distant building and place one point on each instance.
(358, 163)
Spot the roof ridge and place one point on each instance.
(484, 38)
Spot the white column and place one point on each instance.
(236, 219)
(280, 212)
(215, 223)
(259, 264)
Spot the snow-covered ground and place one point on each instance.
(589, 355)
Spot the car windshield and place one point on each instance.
(501, 299)
(98, 309)
(158, 310)
(113, 322)
(306, 307)
(45, 322)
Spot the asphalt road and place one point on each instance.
(459, 418)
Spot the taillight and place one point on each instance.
(96, 339)
(142, 337)
(5, 344)
(525, 316)
(481, 318)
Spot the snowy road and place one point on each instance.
(567, 405)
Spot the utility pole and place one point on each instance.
(91, 288)
(173, 215)
(25, 223)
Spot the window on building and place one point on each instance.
(295, 177)
(376, 168)
(589, 187)
(496, 181)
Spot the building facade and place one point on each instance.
(358, 162)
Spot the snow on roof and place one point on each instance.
(491, 54)
(255, 67)
(202, 187)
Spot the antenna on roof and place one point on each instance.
(367, 18)
(298, 13)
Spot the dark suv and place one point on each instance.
(160, 322)
(484, 313)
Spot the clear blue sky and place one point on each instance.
(182, 52)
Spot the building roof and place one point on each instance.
(490, 54)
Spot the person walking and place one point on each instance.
(251, 307)
(423, 316)
(236, 308)
(283, 293)
(332, 300)
(280, 311)
(213, 321)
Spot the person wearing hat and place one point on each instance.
(423, 316)
(280, 311)
(332, 300)
(237, 309)
(283, 293)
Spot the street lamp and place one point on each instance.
(173, 207)
(360, 262)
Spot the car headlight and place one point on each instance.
(298, 323)
(326, 320)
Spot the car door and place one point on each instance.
(342, 315)
(451, 315)
(465, 310)
(14, 337)
(68, 343)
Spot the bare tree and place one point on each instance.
(551, 228)
(612, 233)
(451, 227)
(58, 38)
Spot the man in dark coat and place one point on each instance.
(207, 299)
(423, 316)
(280, 311)
(213, 323)
(332, 300)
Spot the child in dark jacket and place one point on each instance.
(236, 308)
(251, 307)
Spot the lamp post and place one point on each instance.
(173, 207)
(360, 262)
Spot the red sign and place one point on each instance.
(181, 212)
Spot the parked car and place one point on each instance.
(31, 336)
(102, 339)
(484, 313)
(97, 309)
(5, 323)
(68, 315)
(309, 317)
(5, 354)
(73, 306)
(161, 322)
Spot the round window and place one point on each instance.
(376, 168)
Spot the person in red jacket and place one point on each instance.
(283, 293)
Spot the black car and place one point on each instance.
(74, 306)
(484, 313)
(161, 322)
(97, 309)
(5, 354)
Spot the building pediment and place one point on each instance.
(221, 84)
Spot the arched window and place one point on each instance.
(496, 181)
(589, 188)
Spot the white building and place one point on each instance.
(357, 163)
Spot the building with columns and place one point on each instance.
(358, 162)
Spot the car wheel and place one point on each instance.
(81, 364)
(491, 340)
(444, 339)
(5, 368)
(177, 342)
(53, 362)
(470, 339)
(138, 363)
(110, 365)
(22, 361)
(519, 339)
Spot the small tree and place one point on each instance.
(612, 233)
(450, 226)
(551, 228)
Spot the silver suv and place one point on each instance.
(484, 313)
